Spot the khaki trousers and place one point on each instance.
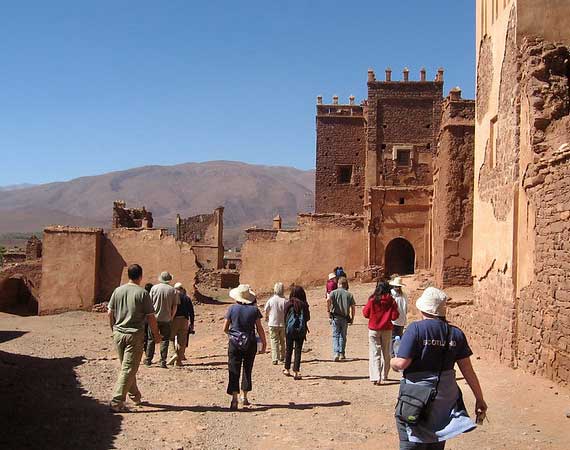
(178, 334)
(277, 336)
(130, 348)
(379, 359)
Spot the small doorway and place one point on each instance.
(400, 257)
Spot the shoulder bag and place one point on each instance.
(413, 399)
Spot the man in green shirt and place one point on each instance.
(129, 306)
(341, 306)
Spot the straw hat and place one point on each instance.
(332, 275)
(432, 301)
(165, 277)
(243, 294)
(397, 282)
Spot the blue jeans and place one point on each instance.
(339, 329)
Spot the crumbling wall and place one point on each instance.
(305, 255)
(70, 268)
(33, 248)
(154, 250)
(453, 194)
(124, 217)
(543, 319)
(204, 233)
(20, 287)
(340, 146)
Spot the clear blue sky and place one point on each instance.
(91, 87)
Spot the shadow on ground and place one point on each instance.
(42, 405)
(258, 407)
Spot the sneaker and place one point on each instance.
(147, 362)
(137, 401)
(245, 401)
(163, 365)
(286, 373)
(342, 357)
(275, 363)
(337, 358)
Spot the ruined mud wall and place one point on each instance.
(340, 146)
(70, 269)
(305, 255)
(543, 316)
(154, 250)
(20, 287)
(124, 217)
(453, 194)
(204, 233)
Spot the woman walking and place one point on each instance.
(427, 354)
(380, 311)
(297, 314)
(241, 320)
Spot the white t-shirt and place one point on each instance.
(275, 310)
(402, 302)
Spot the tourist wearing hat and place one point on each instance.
(241, 321)
(427, 354)
(165, 301)
(402, 302)
(183, 322)
(331, 284)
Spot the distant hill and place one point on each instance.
(251, 195)
(13, 187)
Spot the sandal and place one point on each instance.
(286, 373)
(297, 376)
(245, 401)
(234, 405)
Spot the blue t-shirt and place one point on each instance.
(424, 341)
(243, 317)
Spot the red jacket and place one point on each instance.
(380, 313)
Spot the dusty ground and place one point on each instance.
(57, 373)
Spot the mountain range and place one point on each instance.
(250, 194)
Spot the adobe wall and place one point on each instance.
(71, 258)
(521, 312)
(205, 233)
(452, 239)
(20, 287)
(153, 249)
(124, 217)
(305, 255)
(340, 142)
(402, 113)
(399, 212)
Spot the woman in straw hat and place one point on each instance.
(427, 354)
(241, 320)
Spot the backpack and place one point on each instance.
(296, 325)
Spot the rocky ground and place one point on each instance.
(57, 374)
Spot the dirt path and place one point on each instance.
(57, 375)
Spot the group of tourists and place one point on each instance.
(140, 319)
(429, 409)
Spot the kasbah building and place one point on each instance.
(411, 178)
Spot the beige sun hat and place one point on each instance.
(332, 275)
(243, 294)
(178, 285)
(397, 282)
(433, 302)
(165, 277)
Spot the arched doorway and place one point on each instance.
(400, 257)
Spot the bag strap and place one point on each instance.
(445, 350)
